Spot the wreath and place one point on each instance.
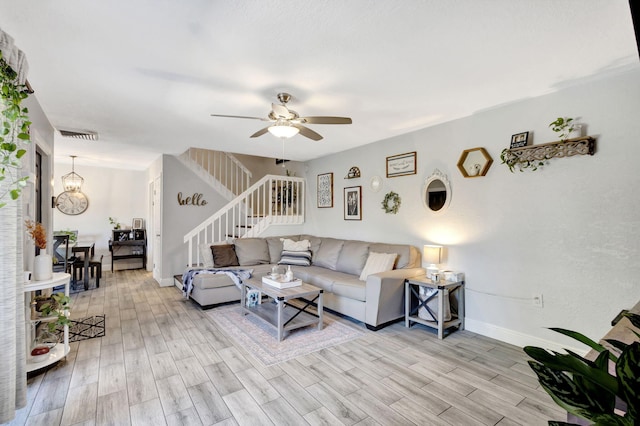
(391, 203)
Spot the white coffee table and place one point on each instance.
(281, 314)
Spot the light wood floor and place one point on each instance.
(163, 361)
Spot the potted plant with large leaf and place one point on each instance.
(585, 388)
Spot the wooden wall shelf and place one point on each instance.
(536, 153)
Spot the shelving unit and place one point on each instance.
(577, 146)
(61, 349)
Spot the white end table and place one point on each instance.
(411, 290)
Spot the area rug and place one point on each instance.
(83, 329)
(260, 339)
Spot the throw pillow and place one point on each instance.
(290, 245)
(224, 255)
(206, 257)
(299, 258)
(204, 251)
(378, 262)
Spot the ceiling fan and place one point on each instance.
(287, 122)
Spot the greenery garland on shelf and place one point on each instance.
(391, 203)
(14, 132)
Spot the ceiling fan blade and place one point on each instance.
(260, 132)
(307, 132)
(240, 116)
(281, 111)
(326, 120)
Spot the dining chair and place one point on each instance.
(62, 261)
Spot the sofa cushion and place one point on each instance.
(300, 258)
(378, 262)
(352, 257)
(315, 243)
(403, 251)
(340, 284)
(205, 281)
(275, 249)
(351, 288)
(328, 253)
(252, 251)
(224, 255)
(313, 275)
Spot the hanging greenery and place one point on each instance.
(14, 133)
(391, 203)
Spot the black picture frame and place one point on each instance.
(519, 140)
(325, 190)
(353, 203)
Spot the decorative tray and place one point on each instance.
(279, 282)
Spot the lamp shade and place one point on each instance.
(283, 129)
(432, 255)
(72, 182)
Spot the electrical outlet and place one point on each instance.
(537, 300)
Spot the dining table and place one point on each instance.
(87, 249)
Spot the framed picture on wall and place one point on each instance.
(401, 164)
(138, 223)
(519, 140)
(325, 190)
(353, 203)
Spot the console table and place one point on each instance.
(128, 244)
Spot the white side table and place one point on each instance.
(411, 294)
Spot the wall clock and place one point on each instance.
(72, 203)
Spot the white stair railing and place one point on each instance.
(220, 169)
(273, 200)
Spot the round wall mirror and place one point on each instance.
(436, 194)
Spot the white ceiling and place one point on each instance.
(146, 74)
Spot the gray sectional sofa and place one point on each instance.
(336, 267)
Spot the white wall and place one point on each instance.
(570, 231)
(41, 133)
(178, 219)
(261, 166)
(118, 193)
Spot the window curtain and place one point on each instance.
(13, 375)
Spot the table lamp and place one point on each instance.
(432, 256)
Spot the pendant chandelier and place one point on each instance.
(72, 182)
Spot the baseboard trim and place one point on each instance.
(517, 338)
(166, 282)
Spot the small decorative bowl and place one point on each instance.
(40, 357)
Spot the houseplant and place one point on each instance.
(511, 160)
(42, 264)
(58, 306)
(114, 221)
(585, 388)
(14, 133)
(564, 126)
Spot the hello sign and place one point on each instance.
(194, 200)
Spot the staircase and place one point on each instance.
(273, 200)
(219, 169)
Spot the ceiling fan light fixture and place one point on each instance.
(283, 129)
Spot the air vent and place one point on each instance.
(90, 136)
